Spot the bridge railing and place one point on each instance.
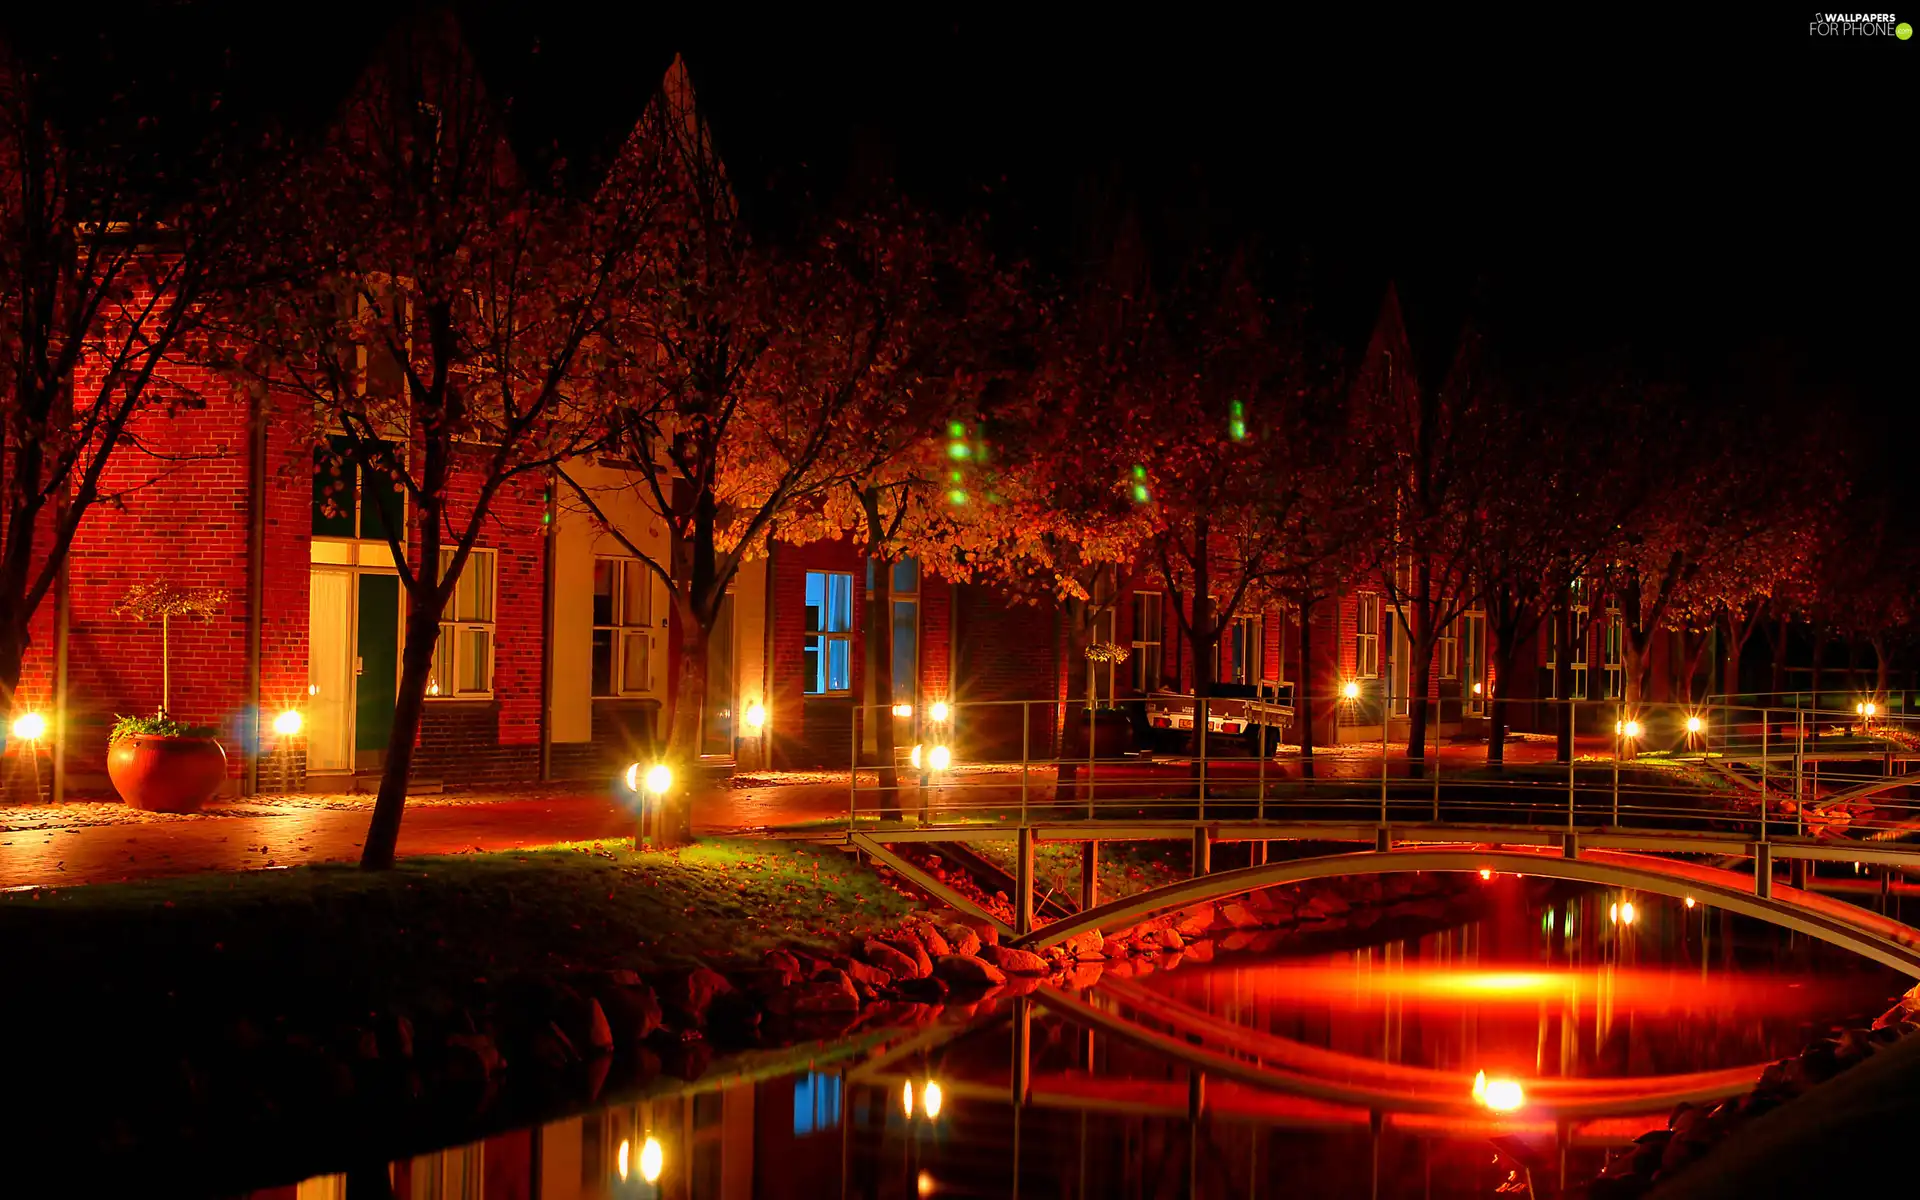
(1750, 770)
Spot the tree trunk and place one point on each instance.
(1203, 636)
(879, 658)
(1505, 650)
(672, 824)
(1420, 669)
(416, 668)
(1303, 690)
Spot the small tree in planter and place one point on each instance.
(157, 763)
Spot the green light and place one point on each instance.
(956, 429)
(1140, 493)
(957, 450)
(1238, 429)
(1139, 472)
(957, 496)
(955, 475)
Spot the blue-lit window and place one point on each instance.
(828, 652)
(816, 1103)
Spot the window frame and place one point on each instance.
(1148, 652)
(461, 627)
(1256, 645)
(1613, 655)
(1366, 640)
(1448, 648)
(828, 636)
(622, 628)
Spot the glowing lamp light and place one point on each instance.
(756, 717)
(1628, 729)
(931, 1098)
(1351, 690)
(906, 1098)
(433, 687)
(903, 710)
(1622, 914)
(1869, 708)
(939, 710)
(1695, 724)
(287, 723)
(313, 689)
(652, 1159)
(924, 1184)
(1500, 1095)
(1486, 872)
(1476, 689)
(940, 759)
(914, 756)
(1689, 901)
(659, 779)
(30, 726)
(623, 1160)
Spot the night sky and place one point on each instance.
(1698, 195)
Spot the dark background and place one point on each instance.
(1727, 202)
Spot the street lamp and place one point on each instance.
(756, 717)
(1350, 690)
(30, 727)
(939, 711)
(288, 723)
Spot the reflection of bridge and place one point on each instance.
(1650, 860)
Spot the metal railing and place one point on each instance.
(1750, 771)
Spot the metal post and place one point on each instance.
(1023, 882)
(1022, 1050)
(1089, 874)
(1026, 730)
(1619, 735)
(1202, 851)
(1764, 722)
(1763, 870)
(1092, 760)
(853, 770)
(1200, 716)
(1799, 749)
(1571, 755)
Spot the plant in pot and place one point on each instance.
(159, 763)
(1109, 728)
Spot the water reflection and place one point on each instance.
(1497, 1055)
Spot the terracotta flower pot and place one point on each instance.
(166, 774)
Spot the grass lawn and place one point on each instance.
(311, 941)
(1125, 867)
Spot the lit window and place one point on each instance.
(1149, 639)
(624, 626)
(1366, 636)
(463, 655)
(1449, 652)
(828, 651)
(816, 1103)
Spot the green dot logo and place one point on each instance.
(1903, 31)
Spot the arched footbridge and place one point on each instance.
(1865, 933)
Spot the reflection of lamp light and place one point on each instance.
(1621, 914)
(623, 1158)
(313, 689)
(1689, 901)
(939, 710)
(914, 757)
(1486, 872)
(30, 727)
(287, 723)
(1476, 689)
(903, 710)
(652, 1159)
(756, 717)
(924, 1184)
(1500, 1095)
(941, 758)
(930, 1099)
(1351, 691)
(906, 1097)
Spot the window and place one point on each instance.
(1474, 687)
(351, 500)
(623, 627)
(463, 655)
(1366, 636)
(1611, 654)
(906, 629)
(827, 655)
(816, 1103)
(1449, 651)
(1149, 639)
(1241, 651)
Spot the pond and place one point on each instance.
(1460, 1060)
